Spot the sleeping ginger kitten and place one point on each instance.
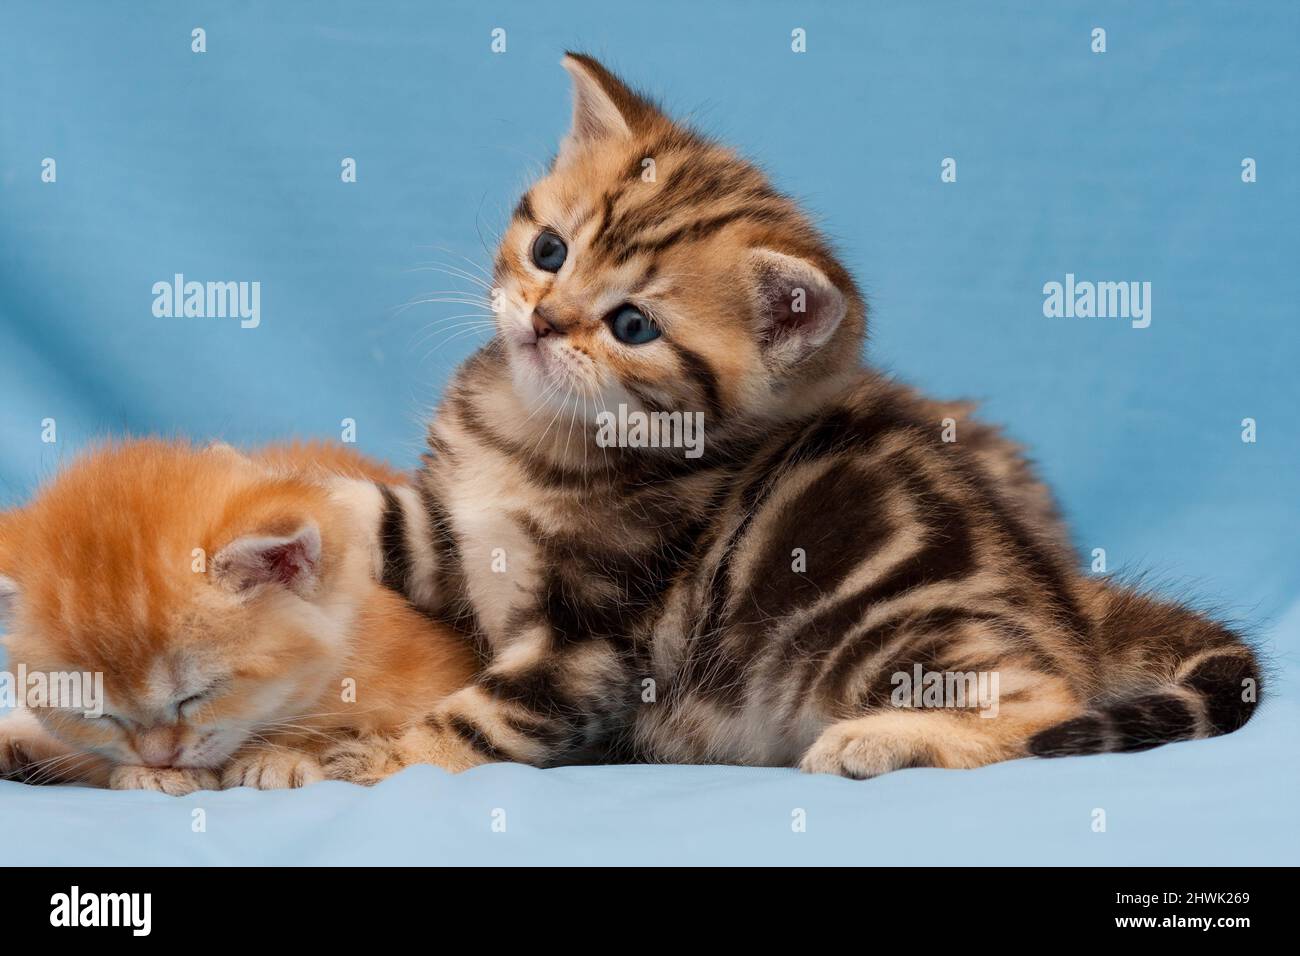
(230, 604)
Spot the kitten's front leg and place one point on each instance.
(534, 708)
(174, 781)
(545, 699)
(31, 754)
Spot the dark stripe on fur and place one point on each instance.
(834, 543)
(1151, 720)
(538, 470)
(1221, 681)
(1156, 718)
(1081, 735)
(698, 368)
(1035, 559)
(947, 554)
(536, 690)
(476, 738)
(720, 673)
(1127, 726)
(691, 232)
(449, 587)
(392, 542)
(931, 632)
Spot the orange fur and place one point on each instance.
(119, 570)
(322, 457)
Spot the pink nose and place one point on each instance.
(542, 324)
(157, 746)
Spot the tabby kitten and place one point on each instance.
(638, 603)
(225, 665)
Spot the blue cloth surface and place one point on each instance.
(1117, 166)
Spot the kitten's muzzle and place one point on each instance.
(543, 324)
(158, 746)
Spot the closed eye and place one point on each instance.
(187, 705)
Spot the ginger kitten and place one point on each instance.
(231, 605)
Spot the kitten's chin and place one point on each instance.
(532, 373)
(212, 752)
(551, 398)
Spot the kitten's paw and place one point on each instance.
(28, 753)
(373, 757)
(437, 744)
(272, 770)
(884, 741)
(864, 748)
(366, 760)
(18, 750)
(174, 781)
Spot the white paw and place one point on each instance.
(175, 781)
(857, 750)
(272, 770)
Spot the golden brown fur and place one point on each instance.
(756, 604)
(132, 564)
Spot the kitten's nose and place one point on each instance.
(542, 324)
(158, 746)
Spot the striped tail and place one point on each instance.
(1201, 680)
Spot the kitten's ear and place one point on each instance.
(221, 449)
(253, 561)
(798, 307)
(603, 105)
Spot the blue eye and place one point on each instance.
(631, 327)
(549, 251)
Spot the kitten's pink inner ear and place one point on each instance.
(253, 561)
(599, 104)
(798, 307)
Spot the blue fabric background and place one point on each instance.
(1117, 166)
